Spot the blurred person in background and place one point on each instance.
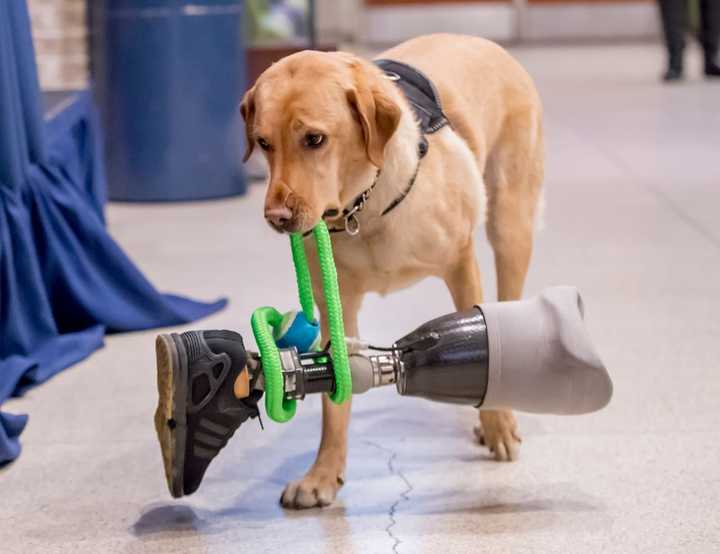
(675, 21)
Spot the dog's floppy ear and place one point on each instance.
(247, 109)
(378, 114)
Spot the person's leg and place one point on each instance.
(710, 35)
(674, 20)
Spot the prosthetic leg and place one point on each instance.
(531, 355)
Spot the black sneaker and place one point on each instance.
(197, 410)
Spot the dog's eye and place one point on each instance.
(313, 140)
(265, 145)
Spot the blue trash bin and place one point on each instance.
(169, 76)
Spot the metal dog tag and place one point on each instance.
(352, 225)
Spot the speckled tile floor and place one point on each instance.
(633, 192)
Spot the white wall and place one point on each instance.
(60, 39)
(339, 20)
(634, 20)
(350, 20)
(390, 24)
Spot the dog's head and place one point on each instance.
(323, 121)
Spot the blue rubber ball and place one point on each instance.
(295, 330)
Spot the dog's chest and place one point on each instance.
(384, 262)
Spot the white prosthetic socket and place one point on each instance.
(541, 358)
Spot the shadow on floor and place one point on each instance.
(168, 517)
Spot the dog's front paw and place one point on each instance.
(498, 431)
(317, 488)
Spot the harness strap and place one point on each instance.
(395, 203)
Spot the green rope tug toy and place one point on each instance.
(265, 320)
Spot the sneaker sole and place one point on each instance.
(171, 415)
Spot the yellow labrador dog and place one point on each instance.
(341, 141)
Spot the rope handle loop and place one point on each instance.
(264, 320)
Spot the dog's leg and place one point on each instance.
(465, 286)
(323, 480)
(464, 281)
(513, 176)
(514, 179)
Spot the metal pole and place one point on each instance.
(520, 8)
(312, 30)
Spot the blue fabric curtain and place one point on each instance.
(64, 282)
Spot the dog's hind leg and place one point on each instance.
(465, 286)
(513, 178)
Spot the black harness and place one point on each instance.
(425, 101)
(421, 93)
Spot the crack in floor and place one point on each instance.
(403, 495)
